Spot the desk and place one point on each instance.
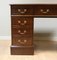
(22, 22)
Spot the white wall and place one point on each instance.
(5, 22)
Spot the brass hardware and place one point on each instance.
(22, 32)
(44, 11)
(23, 22)
(19, 21)
(22, 42)
(22, 11)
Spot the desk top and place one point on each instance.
(33, 1)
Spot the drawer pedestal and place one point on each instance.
(22, 24)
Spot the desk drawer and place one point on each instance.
(21, 10)
(45, 10)
(22, 41)
(22, 31)
(22, 21)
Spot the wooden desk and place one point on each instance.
(22, 25)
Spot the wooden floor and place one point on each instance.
(44, 50)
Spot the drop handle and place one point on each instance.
(22, 11)
(44, 11)
(23, 22)
(19, 31)
(22, 42)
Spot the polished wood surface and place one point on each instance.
(22, 21)
(22, 41)
(22, 25)
(45, 10)
(21, 10)
(22, 50)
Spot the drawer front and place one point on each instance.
(22, 41)
(22, 31)
(45, 10)
(22, 21)
(21, 10)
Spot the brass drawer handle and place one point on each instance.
(22, 32)
(22, 11)
(22, 42)
(44, 11)
(23, 22)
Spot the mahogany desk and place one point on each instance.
(22, 21)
